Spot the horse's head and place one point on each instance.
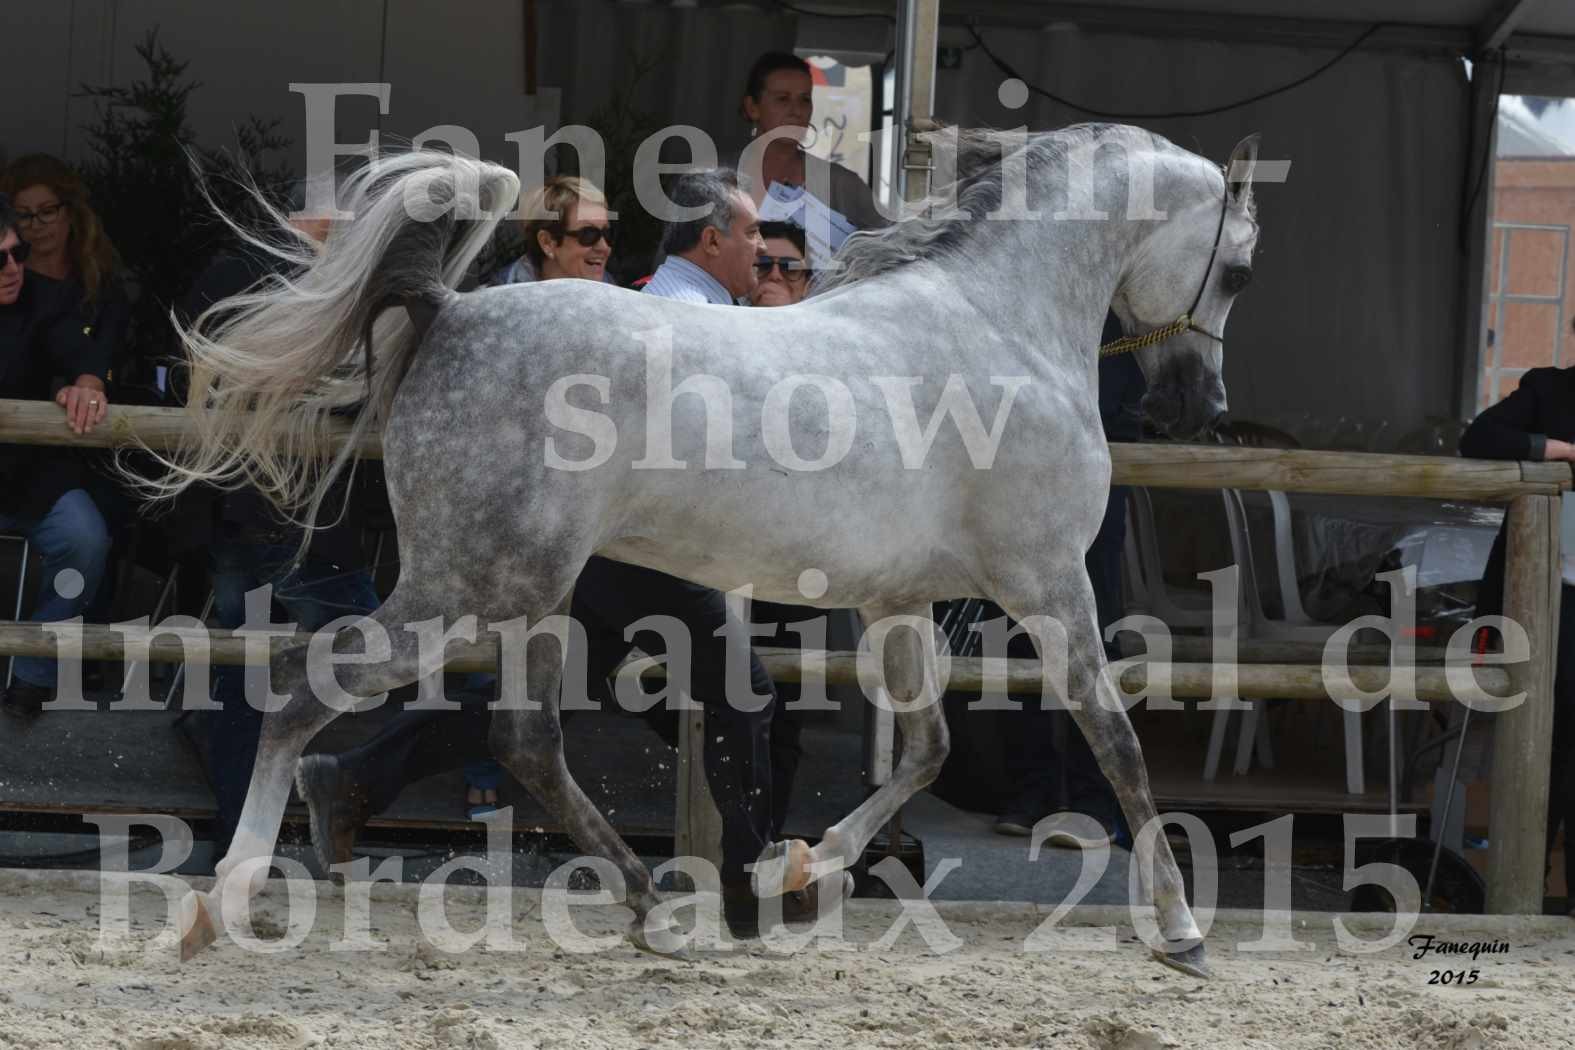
(1183, 280)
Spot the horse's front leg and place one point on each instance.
(912, 688)
(1062, 621)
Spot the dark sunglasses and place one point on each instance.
(19, 253)
(793, 269)
(589, 235)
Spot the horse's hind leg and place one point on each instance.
(1100, 714)
(911, 686)
(285, 734)
(527, 737)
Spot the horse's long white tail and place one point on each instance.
(268, 368)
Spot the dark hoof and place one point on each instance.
(1189, 961)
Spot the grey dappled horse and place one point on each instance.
(497, 513)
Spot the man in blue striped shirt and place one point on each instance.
(711, 258)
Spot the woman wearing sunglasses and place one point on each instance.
(567, 234)
(783, 272)
(67, 245)
(783, 278)
(43, 351)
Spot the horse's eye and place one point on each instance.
(1237, 278)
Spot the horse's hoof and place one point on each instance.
(783, 867)
(1189, 961)
(838, 882)
(665, 941)
(197, 930)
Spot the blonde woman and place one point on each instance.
(567, 233)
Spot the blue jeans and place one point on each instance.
(72, 535)
(484, 774)
(312, 594)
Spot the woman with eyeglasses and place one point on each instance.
(67, 245)
(44, 353)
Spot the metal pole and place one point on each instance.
(918, 30)
(903, 60)
(1449, 801)
(1475, 233)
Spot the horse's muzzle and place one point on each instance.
(1182, 418)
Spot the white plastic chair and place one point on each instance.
(1293, 625)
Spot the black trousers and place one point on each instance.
(609, 597)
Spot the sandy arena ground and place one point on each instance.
(59, 987)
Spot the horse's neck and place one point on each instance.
(1054, 289)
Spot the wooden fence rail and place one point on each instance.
(1523, 742)
(1191, 681)
(1155, 465)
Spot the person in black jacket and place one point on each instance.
(69, 246)
(45, 353)
(1537, 422)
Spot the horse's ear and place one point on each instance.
(1238, 170)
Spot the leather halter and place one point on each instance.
(1184, 323)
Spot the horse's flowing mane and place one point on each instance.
(975, 156)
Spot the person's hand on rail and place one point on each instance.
(1558, 450)
(85, 403)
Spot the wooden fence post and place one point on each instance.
(697, 832)
(1523, 742)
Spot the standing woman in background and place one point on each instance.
(779, 97)
(68, 245)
